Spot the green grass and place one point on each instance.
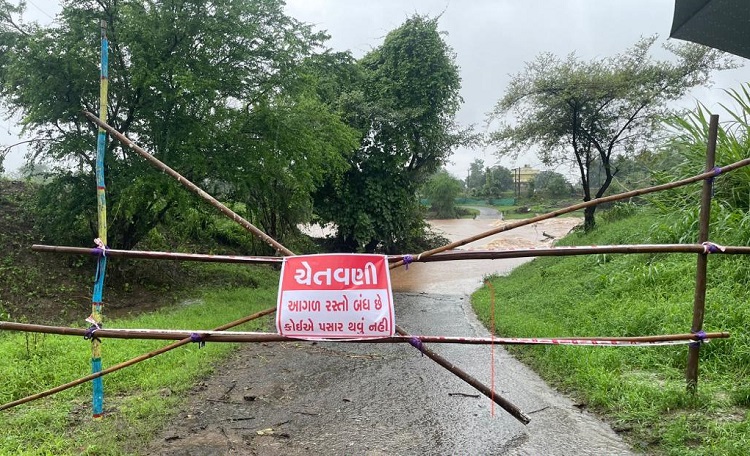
(640, 390)
(510, 212)
(137, 399)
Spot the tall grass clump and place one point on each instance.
(642, 391)
(730, 210)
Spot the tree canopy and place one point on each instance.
(578, 112)
(551, 184)
(403, 101)
(497, 179)
(442, 189)
(475, 179)
(219, 90)
(489, 181)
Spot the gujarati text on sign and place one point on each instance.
(335, 296)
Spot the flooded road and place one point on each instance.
(464, 277)
(323, 398)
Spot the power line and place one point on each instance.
(40, 9)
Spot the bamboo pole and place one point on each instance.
(191, 186)
(508, 406)
(577, 250)
(219, 335)
(101, 202)
(621, 196)
(699, 301)
(130, 362)
(279, 248)
(445, 256)
(150, 255)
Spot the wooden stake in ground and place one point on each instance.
(699, 301)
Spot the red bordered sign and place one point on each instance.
(335, 296)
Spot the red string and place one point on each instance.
(492, 348)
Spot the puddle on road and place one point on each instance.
(464, 277)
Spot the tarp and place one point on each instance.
(720, 24)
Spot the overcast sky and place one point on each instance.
(492, 40)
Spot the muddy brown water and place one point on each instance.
(465, 277)
(307, 398)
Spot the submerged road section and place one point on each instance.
(374, 399)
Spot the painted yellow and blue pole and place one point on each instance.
(96, 302)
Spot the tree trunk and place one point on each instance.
(588, 219)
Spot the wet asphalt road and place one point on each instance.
(366, 399)
(375, 399)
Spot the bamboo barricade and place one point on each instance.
(699, 300)
(426, 254)
(101, 202)
(499, 400)
(454, 255)
(130, 362)
(219, 335)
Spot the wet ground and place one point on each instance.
(365, 399)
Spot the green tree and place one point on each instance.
(552, 184)
(442, 189)
(476, 179)
(300, 143)
(403, 102)
(578, 112)
(497, 179)
(632, 171)
(214, 89)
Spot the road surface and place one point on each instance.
(364, 399)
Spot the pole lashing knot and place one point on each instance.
(408, 259)
(700, 337)
(416, 342)
(197, 338)
(89, 334)
(100, 249)
(710, 247)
